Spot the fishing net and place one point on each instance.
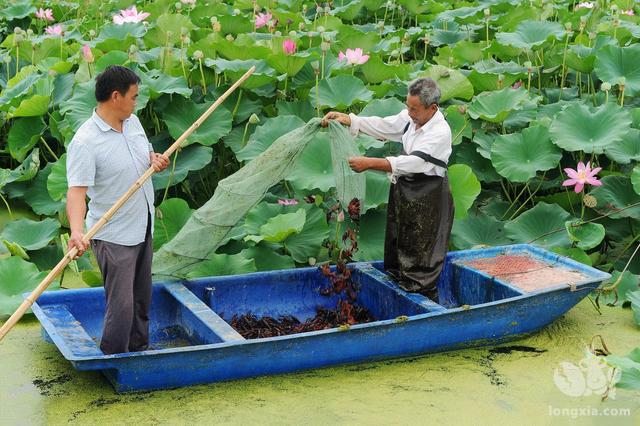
(235, 195)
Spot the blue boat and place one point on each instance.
(487, 296)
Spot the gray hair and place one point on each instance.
(426, 89)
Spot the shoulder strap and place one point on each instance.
(406, 128)
(429, 159)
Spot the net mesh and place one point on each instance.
(235, 195)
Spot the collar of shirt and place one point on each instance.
(435, 120)
(103, 125)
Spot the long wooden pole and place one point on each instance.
(30, 300)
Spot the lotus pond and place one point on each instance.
(541, 96)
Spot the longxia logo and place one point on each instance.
(591, 376)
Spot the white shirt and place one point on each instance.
(434, 138)
(108, 162)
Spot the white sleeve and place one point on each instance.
(437, 144)
(386, 128)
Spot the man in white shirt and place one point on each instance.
(420, 210)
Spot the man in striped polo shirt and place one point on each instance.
(108, 153)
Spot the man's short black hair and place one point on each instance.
(114, 77)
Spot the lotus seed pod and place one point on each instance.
(6, 59)
(178, 6)
(462, 109)
(324, 46)
(567, 26)
(450, 64)
(606, 86)
(17, 30)
(17, 38)
(614, 8)
(293, 34)
(304, 9)
(380, 25)
(487, 12)
(133, 48)
(320, 29)
(501, 77)
(229, 37)
(92, 33)
(236, 12)
(405, 37)
(327, 9)
(621, 81)
(214, 19)
(169, 34)
(53, 73)
(312, 261)
(314, 64)
(184, 31)
(301, 26)
(217, 27)
(198, 55)
(29, 32)
(254, 119)
(592, 35)
(589, 201)
(277, 34)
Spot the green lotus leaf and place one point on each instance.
(616, 193)
(496, 106)
(223, 264)
(303, 109)
(586, 235)
(460, 126)
(235, 24)
(376, 71)
(168, 29)
(193, 157)
(483, 141)
(542, 225)
(34, 106)
(266, 134)
(465, 187)
(307, 243)
(591, 130)
(574, 253)
(478, 231)
(15, 249)
(519, 156)
(581, 58)
(119, 37)
(171, 216)
(530, 34)
(182, 113)
(635, 179)
(466, 153)
(262, 75)
(17, 276)
(613, 62)
(17, 10)
(261, 213)
(37, 195)
(159, 83)
(628, 284)
(92, 278)
(23, 135)
(57, 180)
(377, 187)
(449, 37)
(30, 234)
(278, 228)
(340, 92)
(244, 47)
(452, 83)
(371, 236)
(629, 365)
(266, 259)
(115, 57)
(79, 108)
(627, 150)
(350, 37)
(288, 64)
(314, 169)
(382, 107)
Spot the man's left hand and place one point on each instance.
(359, 164)
(158, 161)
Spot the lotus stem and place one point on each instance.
(184, 72)
(617, 282)
(202, 80)
(528, 199)
(46, 145)
(235, 109)
(622, 96)
(7, 205)
(564, 64)
(17, 58)
(244, 134)
(173, 169)
(514, 201)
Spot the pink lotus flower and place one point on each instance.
(289, 47)
(627, 12)
(263, 19)
(285, 202)
(353, 56)
(45, 14)
(129, 15)
(87, 54)
(517, 85)
(55, 30)
(584, 5)
(584, 175)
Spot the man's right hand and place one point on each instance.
(76, 240)
(341, 117)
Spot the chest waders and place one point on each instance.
(419, 219)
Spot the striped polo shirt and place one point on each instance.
(108, 162)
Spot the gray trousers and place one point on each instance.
(126, 271)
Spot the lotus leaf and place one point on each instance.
(628, 284)
(377, 190)
(591, 130)
(266, 134)
(223, 264)
(496, 106)
(466, 153)
(340, 92)
(17, 276)
(452, 83)
(460, 126)
(376, 71)
(307, 243)
(79, 108)
(478, 231)
(465, 187)
(629, 365)
(23, 135)
(193, 157)
(530, 34)
(57, 180)
(574, 253)
(159, 83)
(171, 215)
(382, 107)
(30, 234)
(635, 179)
(267, 259)
(613, 62)
(615, 194)
(542, 225)
(586, 235)
(627, 150)
(314, 169)
(37, 195)
(371, 236)
(279, 227)
(519, 156)
(262, 75)
(182, 113)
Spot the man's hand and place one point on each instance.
(334, 115)
(359, 164)
(76, 240)
(158, 161)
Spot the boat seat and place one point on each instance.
(72, 332)
(203, 313)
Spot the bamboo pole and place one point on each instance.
(30, 300)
